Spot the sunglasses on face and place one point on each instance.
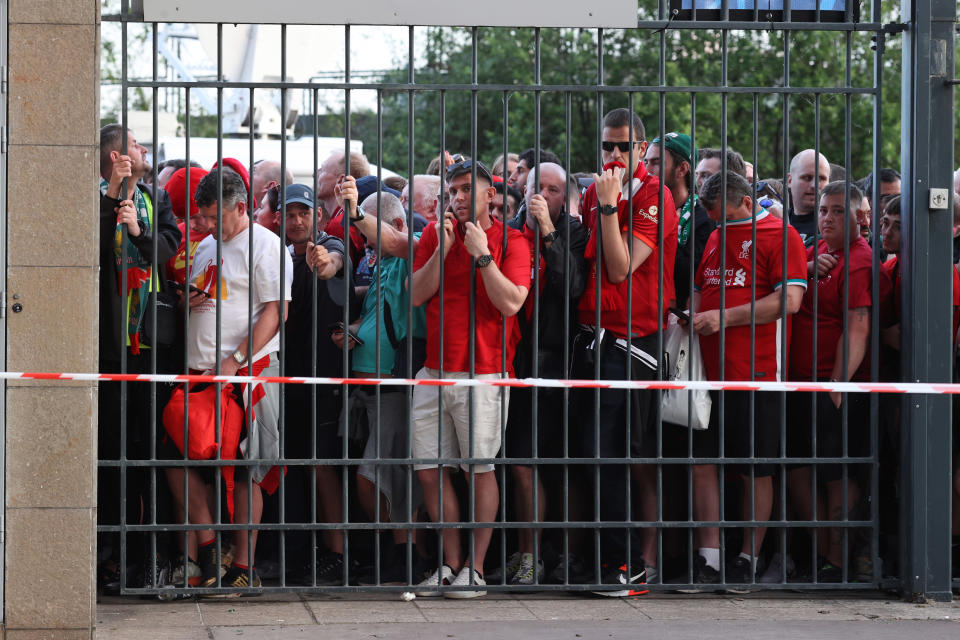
(624, 147)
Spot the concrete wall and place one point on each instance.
(54, 58)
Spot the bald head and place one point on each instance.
(553, 187)
(266, 174)
(808, 174)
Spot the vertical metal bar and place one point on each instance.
(282, 190)
(409, 373)
(815, 331)
(344, 479)
(154, 287)
(123, 289)
(926, 148)
(188, 268)
(377, 345)
(567, 330)
(471, 494)
(314, 339)
(875, 296)
(598, 229)
(691, 238)
(846, 373)
(721, 422)
(502, 487)
(535, 294)
(218, 344)
(441, 236)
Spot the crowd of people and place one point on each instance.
(524, 269)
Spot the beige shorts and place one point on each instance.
(452, 420)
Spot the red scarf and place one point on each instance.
(611, 298)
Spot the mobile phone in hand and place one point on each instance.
(682, 315)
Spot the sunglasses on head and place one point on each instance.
(459, 164)
(624, 147)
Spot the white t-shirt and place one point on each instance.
(237, 285)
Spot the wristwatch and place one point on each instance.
(608, 209)
(358, 211)
(550, 237)
(238, 357)
(483, 261)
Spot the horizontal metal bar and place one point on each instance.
(546, 88)
(310, 462)
(573, 524)
(499, 588)
(678, 25)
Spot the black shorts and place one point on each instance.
(613, 428)
(550, 434)
(736, 429)
(801, 410)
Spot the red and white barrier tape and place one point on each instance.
(712, 385)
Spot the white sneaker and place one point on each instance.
(774, 571)
(463, 579)
(442, 576)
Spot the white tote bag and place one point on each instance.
(684, 364)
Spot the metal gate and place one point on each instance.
(890, 534)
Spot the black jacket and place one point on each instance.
(703, 226)
(552, 336)
(112, 318)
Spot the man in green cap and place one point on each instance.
(675, 169)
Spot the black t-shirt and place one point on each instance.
(806, 226)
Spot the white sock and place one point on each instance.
(712, 556)
(747, 556)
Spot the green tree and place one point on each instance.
(691, 58)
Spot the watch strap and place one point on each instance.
(483, 261)
(608, 209)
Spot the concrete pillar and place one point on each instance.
(52, 266)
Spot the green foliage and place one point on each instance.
(632, 58)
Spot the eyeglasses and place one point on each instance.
(609, 145)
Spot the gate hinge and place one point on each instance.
(3, 314)
(3, 139)
(4, 78)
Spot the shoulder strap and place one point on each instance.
(388, 323)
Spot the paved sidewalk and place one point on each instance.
(531, 617)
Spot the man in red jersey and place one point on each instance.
(621, 313)
(740, 285)
(468, 420)
(840, 277)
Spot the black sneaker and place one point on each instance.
(740, 571)
(329, 569)
(210, 569)
(155, 573)
(703, 574)
(828, 572)
(108, 578)
(391, 574)
(236, 578)
(617, 575)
